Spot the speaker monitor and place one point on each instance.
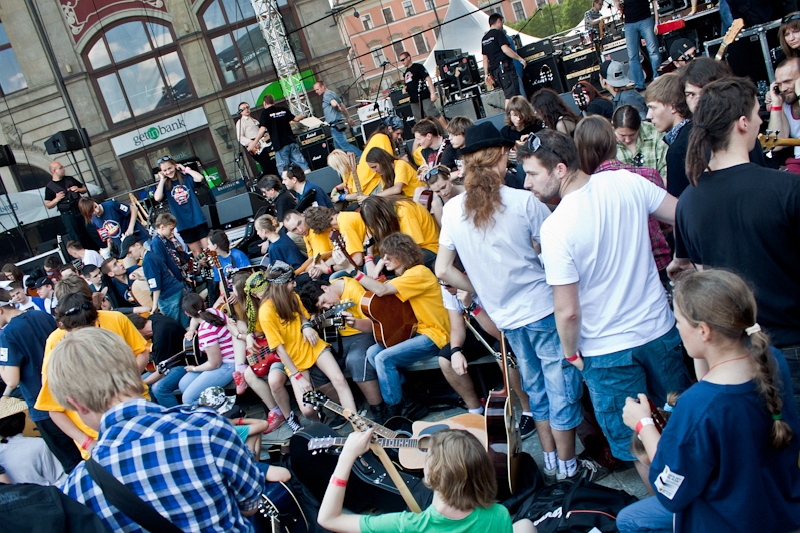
(239, 207)
(210, 212)
(541, 73)
(316, 154)
(7, 156)
(494, 102)
(463, 108)
(443, 56)
(67, 141)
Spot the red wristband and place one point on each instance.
(776, 108)
(330, 269)
(574, 357)
(86, 443)
(239, 423)
(359, 276)
(477, 311)
(647, 421)
(298, 376)
(338, 482)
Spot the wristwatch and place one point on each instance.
(471, 307)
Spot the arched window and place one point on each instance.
(11, 78)
(137, 69)
(29, 177)
(236, 40)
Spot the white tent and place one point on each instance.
(463, 27)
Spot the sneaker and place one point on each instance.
(241, 384)
(588, 469)
(550, 475)
(293, 423)
(275, 420)
(527, 426)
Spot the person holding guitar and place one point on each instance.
(246, 132)
(416, 284)
(397, 176)
(350, 233)
(229, 260)
(345, 164)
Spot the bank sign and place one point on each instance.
(159, 131)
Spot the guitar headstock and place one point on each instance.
(769, 140)
(213, 258)
(268, 509)
(343, 305)
(321, 443)
(580, 96)
(315, 399)
(337, 240)
(733, 31)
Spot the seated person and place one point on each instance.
(294, 179)
(444, 189)
(323, 220)
(397, 176)
(521, 120)
(93, 276)
(166, 337)
(280, 201)
(52, 267)
(456, 129)
(345, 164)
(22, 301)
(318, 247)
(428, 141)
(229, 260)
(26, 459)
(278, 246)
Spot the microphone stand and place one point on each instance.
(378, 94)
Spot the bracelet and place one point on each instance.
(343, 197)
(306, 325)
(648, 421)
(298, 375)
(330, 269)
(574, 357)
(359, 276)
(86, 443)
(776, 108)
(369, 259)
(239, 336)
(471, 307)
(477, 310)
(239, 422)
(337, 482)
(454, 349)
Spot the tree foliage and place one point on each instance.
(554, 18)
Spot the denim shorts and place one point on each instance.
(552, 383)
(655, 368)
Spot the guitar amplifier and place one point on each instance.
(239, 207)
(399, 97)
(311, 137)
(316, 154)
(539, 49)
(468, 107)
(462, 72)
(544, 72)
(582, 65)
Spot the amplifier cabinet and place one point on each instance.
(468, 107)
(316, 154)
(537, 50)
(582, 65)
(545, 72)
(239, 207)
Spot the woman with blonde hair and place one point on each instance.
(345, 164)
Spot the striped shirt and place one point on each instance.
(209, 335)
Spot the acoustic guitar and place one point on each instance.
(280, 511)
(216, 265)
(191, 355)
(730, 36)
(393, 321)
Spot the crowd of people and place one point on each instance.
(603, 247)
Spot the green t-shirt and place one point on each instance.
(495, 519)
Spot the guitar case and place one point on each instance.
(369, 488)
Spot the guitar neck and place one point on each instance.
(331, 442)
(380, 430)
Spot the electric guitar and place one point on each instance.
(216, 265)
(770, 140)
(259, 147)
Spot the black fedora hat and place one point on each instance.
(482, 136)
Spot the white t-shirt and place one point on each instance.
(794, 126)
(598, 237)
(452, 303)
(501, 262)
(90, 257)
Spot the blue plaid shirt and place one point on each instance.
(188, 464)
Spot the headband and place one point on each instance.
(256, 283)
(284, 272)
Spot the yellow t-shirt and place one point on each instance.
(290, 335)
(421, 289)
(366, 176)
(353, 231)
(417, 222)
(352, 291)
(417, 157)
(405, 174)
(317, 243)
(110, 321)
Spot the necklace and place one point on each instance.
(727, 361)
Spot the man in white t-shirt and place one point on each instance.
(87, 257)
(491, 228)
(611, 310)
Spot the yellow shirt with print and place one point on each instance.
(417, 157)
(353, 231)
(352, 291)
(290, 335)
(317, 243)
(418, 223)
(366, 176)
(420, 287)
(112, 321)
(405, 174)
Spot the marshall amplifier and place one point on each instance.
(316, 154)
(311, 137)
(534, 51)
(544, 72)
(399, 98)
(582, 65)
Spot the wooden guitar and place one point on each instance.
(393, 321)
(338, 244)
(216, 265)
(502, 429)
(280, 511)
(190, 355)
(770, 140)
(141, 213)
(730, 36)
(311, 261)
(317, 400)
(413, 450)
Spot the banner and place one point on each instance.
(29, 207)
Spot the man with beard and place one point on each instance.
(782, 101)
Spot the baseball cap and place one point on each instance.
(614, 73)
(679, 47)
(215, 398)
(42, 282)
(127, 242)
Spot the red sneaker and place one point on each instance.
(274, 421)
(241, 384)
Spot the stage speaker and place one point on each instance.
(404, 110)
(408, 123)
(67, 141)
(210, 212)
(443, 56)
(579, 66)
(494, 102)
(7, 156)
(467, 107)
(545, 72)
(239, 207)
(399, 98)
(317, 154)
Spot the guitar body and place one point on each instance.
(190, 356)
(262, 359)
(414, 458)
(259, 147)
(393, 321)
(280, 510)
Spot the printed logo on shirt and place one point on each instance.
(152, 283)
(124, 208)
(111, 229)
(180, 193)
(409, 77)
(278, 114)
(668, 483)
(4, 355)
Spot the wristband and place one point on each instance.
(239, 336)
(369, 259)
(298, 376)
(330, 269)
(359, 276)
(239, 422)
(776, 108)
(477, 310)
(454, 349)
(648, 421)
(471, 307)
(574, 357)
(336, 482)
(343, 197)
(86, 443)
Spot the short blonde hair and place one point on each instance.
(339, 162)
(459, 469)
(93, 366)
(72, 285)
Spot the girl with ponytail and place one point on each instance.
(728, 460)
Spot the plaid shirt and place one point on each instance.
(188, 464)
(650, 152)
(658, 243)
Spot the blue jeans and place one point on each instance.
(655, 368)
(553, 385)
(340, 142)
(163, 390)
(634, 33)
(172, 306)
(290, 154)
(645, 516)
(726, 15)
(387, 360)
(193, 383)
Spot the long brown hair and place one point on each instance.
(386, 161)
(724, 302)
(524, 110)
(723, 103)
(86, 207)
(482, 183)
(380, 215)
(551, 108)
(790, 25)
(596, 142)
(178, 174)
(283, 297)
(195, 306)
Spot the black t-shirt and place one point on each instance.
(450, 157)
(511, 134)
(676, 162)
(278, 120)
(70, 201)
(602, 107)
(747, 219)
(416, 87)
(636, 10)
(167, 337)
(492, 48)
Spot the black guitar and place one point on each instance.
(191, 355)
(280, 510)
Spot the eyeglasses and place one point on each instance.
(243, 108)
(534, 143)
(75, 310)
(164, 159)
(789, 18)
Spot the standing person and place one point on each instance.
(176, 183)
(277, 121)
(150, 449)
(113, 220)
(294, 179)
(498, 56)
(64, 192)
(639, 144)
(640, 24)
(336, 114)
(622, 345)
(246, 131)
(753, 213)
(492, 224)
(616, 82)
(420, 89)
(21, 299)
(22, 347)
(789, 34)
(698, 469)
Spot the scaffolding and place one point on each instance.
(271, 23)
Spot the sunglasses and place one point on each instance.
(789, 18)
(164, 159)
(443, 284)
(77, 309)
(243, 108)
(534, 143)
